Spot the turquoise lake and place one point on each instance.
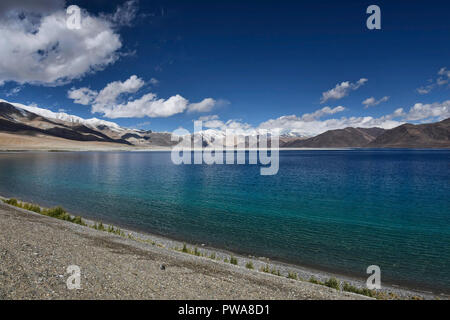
(335, 210)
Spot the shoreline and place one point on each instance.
(169, 149)
(34, 265)
(282, 267)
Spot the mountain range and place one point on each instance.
(21, 125)
(430, 135)
(28, 128)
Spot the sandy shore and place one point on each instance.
(35, 251)
(22, 143)
(42, 247)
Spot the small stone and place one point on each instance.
(163, 267)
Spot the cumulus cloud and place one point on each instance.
(205, 105)
(37, 47)
(148, 105)
(107, 95)
(307, 125)
(108, 101)
(371, 102)
(214, 124)
(113, 90)
(430, 111)
(295, 125)
(211, 121)
(342, 90)
(83, 96)
(443, 78)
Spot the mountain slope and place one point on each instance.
(430, 135)
(36, 122)
(26, 124)
(20, 121)
(340, 138)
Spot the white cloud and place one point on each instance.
(113, 90)
(38, 48)
(321, 112)
(419, 112)
(444, 72)
(430, 111)
(308, 124)
(124, 14)
(148, 105)
(295, 125)
(83, 96)
(107, 101)
(211, 121)
(304, 125)
(14, 91)
(442, 79)
(341, 90)
(205, 105)
(210, 117)
(106, 96)
(213, 124)
(425, 89)
(370, 102)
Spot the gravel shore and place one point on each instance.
(36, 250)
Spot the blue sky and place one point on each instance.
(258, 60)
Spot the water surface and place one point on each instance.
(334, 210)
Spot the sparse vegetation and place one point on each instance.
(275, 272)
(117, 231)
(185, 249)
(57, 212)
(364, 291)
(315, 281)
(60, 213)
(31, 207)
(265, 269)
(12, 202)
(333, 283)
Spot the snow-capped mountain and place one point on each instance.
(31, 121)
(62, 116)
(30, 127)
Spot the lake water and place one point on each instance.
(334, 210)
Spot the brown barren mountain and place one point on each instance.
(430, 135)
(25, 130)
(22, 129)
(340, 138)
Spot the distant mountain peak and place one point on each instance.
(62, 116)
